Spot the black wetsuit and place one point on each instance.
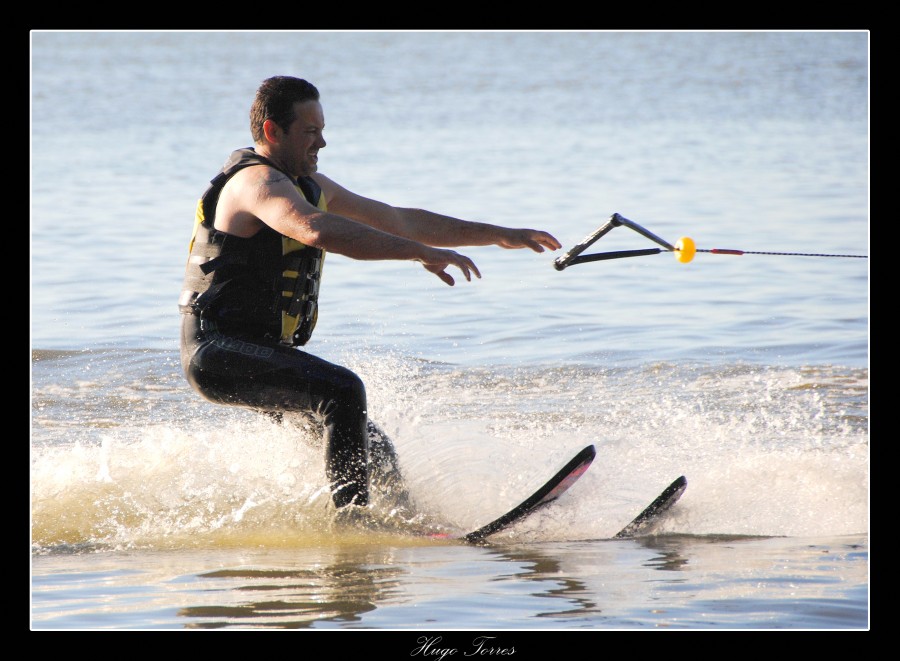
(246, 306)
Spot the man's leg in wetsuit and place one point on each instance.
(270, 377)
(384, 467)
(385, 475)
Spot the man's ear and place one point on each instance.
(272, 131)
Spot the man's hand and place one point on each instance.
(438, 261)
(525, 238)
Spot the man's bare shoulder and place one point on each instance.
(258, 184)
(259, 177)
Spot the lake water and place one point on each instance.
(152, 509)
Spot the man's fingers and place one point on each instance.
(446, 277)
(469, 269)
(463, 263)
(534, 239)
(546, 241)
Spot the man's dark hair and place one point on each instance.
(275, 100)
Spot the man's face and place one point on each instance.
(303, 139)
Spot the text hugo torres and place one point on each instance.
(428, 646)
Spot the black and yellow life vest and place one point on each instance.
(266, 285)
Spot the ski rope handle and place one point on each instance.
(683, 249)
